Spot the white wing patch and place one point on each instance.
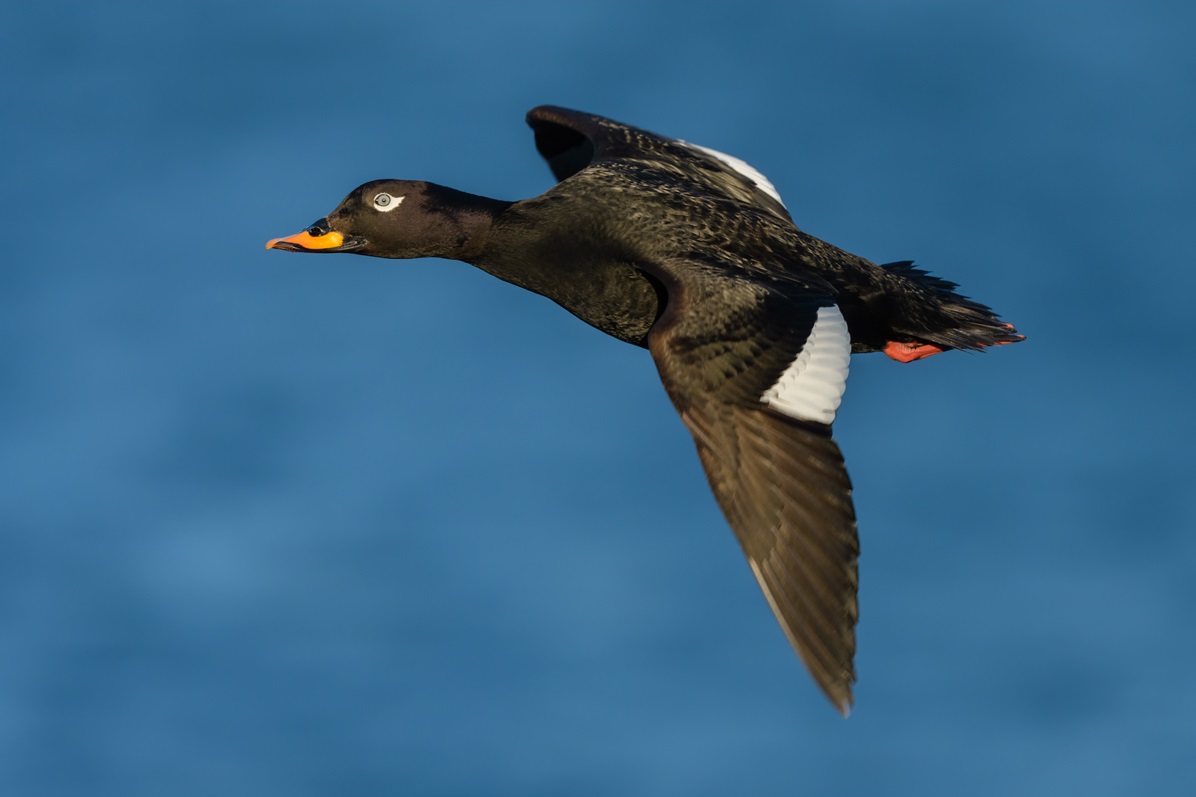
(743, 168)
(812, 386)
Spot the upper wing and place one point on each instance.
(571, 140)
(757, 374)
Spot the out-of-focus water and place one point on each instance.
(284, 525)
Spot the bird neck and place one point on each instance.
(505, 242)
(467, 223)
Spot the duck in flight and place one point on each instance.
(691, 254)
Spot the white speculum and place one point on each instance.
(811, 388)
(744, 168)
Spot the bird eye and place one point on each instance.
(385, 202)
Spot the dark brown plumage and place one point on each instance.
(691, 254)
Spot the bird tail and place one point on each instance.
(939, 318)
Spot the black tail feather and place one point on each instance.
(935, 313)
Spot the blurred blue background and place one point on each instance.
(284, 525)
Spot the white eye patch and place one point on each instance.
(385, 203)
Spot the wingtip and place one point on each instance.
(548, 113)
(839, 694)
